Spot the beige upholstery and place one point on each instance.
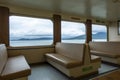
(74, 51)
(13, 67)
(108, 51)
(111, 47)
(3, 56)
(95, 58)
(73, 59)
(107, 54)
(64, 61)
(16, 67)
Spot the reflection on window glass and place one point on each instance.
(99, 32)
(73, 32)
(28, 31)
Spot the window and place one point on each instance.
(99, 32)
(28, 31)
(73, 32)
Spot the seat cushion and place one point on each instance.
(3, 56)
(63, 60)
(106, 54)
(16, 67)
(95, 58)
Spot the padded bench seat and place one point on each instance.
(108, 51)
(73, 59)
(15, 67)
(64, 61)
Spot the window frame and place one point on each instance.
(29, 16)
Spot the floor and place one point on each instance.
(47, 72)
(113, 75)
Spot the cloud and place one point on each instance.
(72, 28)
(20, 26)
(27, 26)
(98, 28)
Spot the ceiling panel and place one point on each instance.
(103, 9)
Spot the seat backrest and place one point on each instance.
(112, 47)
(3, 56)
(72, 50)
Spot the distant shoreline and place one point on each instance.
(99, 35)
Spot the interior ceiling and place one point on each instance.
(103, 9)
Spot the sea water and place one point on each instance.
(45, 42)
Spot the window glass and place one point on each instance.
(73, 32)
(99, 32)
(29, 31)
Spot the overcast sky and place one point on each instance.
(20, 26)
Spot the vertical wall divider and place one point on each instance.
(4, 25)
(88, 25)
(57, 28)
